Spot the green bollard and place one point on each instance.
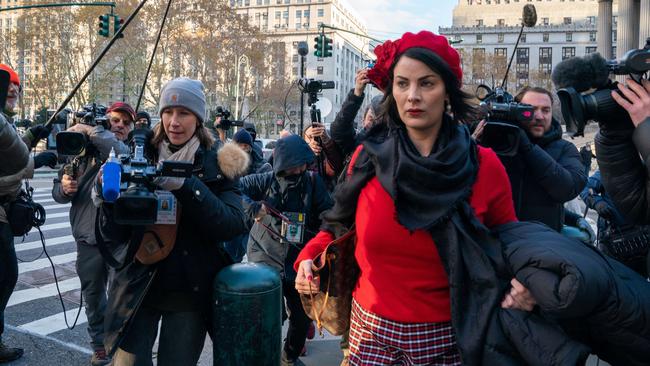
(247, 316)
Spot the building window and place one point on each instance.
(479, 38)
(500, 38)
(545, 60)
(568, 52)
(590, 49)
(544, 37)
(298, 13)
(321, 13)
(500, 60)
(319, 70)
(567, 20)
(479, 22)
(501, 22)
(591, 20)
(545, 21)
(523, 38)
(569, 37)
(592, 36)
(478, 64)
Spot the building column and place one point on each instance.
(644, 22)
(604, 30)
(628, 20)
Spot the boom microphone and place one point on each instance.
(529, 18)
(581, 73)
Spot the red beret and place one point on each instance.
(388, 51)
(122, 107)
(13, 76)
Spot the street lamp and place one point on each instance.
(243, 59)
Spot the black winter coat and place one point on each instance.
(342, 129)
(625, 175)
(211, 213)
(597, 300)
(545, 178)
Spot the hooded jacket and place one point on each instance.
(597, 301)
(545, 177)
(307, 195)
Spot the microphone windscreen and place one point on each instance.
(600, 69)
(574, 72)
(529, 17)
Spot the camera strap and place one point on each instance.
(133, 244)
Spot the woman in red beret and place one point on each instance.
(420, 193)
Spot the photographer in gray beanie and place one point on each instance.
(174, 288)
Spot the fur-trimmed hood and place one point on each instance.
(233, 161)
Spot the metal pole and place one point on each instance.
(302, 96)
(237, 91)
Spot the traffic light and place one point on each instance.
(104, 26)
(318, 46)
(117, 24)
(327, 47)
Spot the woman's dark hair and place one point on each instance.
(463, 111)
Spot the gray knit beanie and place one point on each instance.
(183, 92)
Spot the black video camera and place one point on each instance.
(226, 122)
(75, 143)
(576, 76)
(313, 87)
(504, 118)
(137, 203)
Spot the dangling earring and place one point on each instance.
(448, 107)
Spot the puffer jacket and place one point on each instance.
(623, 158)
(211, 212)
(545, 178)
(16, 164)
(595, 299)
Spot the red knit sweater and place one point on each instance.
(402, 277)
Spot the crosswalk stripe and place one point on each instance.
(19, 297)
(20, 247)
(59, 225)
(44, 201)
(44, 263)
(57, 215)
(54, 207)
(41, 195)
(54, 323)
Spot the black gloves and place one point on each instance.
(46, 158)
(524, 142)
(37, 133)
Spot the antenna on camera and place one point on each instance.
(528, 19)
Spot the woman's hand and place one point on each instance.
(518, 298)
(478, 132)
(305, 278)
(360, 82)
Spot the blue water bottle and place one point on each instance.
(112, 174)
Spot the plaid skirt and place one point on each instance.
(378, 341)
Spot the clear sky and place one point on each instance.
(389, 19)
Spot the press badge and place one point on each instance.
(167, 206)
(293, 231)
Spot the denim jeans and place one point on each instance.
(8, 270)
(182, 335)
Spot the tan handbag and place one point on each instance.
(330, 309)
(157, 242)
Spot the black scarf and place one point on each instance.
(432, 193)
(425, 189)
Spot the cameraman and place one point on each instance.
(75, 185)
(619, 144)
(176, 290)
(547, 171)
(16, 166)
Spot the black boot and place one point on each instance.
(9, 354)
(286, 361)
